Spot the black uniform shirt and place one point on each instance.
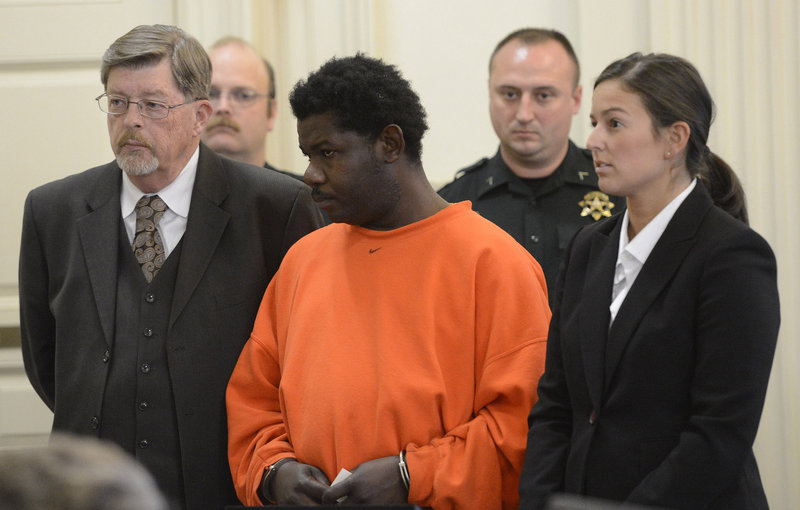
(545, 220)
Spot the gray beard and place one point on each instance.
(137, 167)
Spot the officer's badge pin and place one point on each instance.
(596, 204)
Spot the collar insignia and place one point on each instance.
(596, 204)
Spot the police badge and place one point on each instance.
(596, 204)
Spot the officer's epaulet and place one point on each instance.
(472, 167)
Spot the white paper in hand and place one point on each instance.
(343, 474)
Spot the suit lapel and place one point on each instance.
(206, 223)
(99, 236)
(659, 269)
(594, 315)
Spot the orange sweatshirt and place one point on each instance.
(429, 338)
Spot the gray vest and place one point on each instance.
(138, 404)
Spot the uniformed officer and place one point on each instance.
(539, 186)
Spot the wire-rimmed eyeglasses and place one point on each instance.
(117, 105)
(239, 97)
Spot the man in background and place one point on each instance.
(140, 279)
(243, 98)
(539, 186)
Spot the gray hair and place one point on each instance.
(147, 45)
(75, 473)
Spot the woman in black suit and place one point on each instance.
(665, 317)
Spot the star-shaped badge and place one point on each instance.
(596, 204)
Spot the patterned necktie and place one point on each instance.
(147, 245)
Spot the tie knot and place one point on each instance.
(149, 205)
(149, 210)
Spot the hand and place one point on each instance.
(296, 483)
(375, 482)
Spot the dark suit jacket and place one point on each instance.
(241, 222)
(663, 408)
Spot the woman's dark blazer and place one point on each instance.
(663, 408)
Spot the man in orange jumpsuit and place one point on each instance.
(403, 343)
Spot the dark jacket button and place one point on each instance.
(143, 405)
(94, 423)
(144, 443)
(150, 297)
(106, 356)
(145, 368)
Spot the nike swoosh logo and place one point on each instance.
(371, 250)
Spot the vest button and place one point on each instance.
(94, 423)
(145, 368)
(535, 238)
(143, 405)
(147, 332)
(106, 356)
(144, 443)
(150, 297)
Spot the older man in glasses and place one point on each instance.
(140, 279)
(243, 99)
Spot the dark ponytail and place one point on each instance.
(724, 186)
(672, 90)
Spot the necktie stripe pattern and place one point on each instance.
(147, 245)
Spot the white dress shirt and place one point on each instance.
(632, 255)
(178, 197)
